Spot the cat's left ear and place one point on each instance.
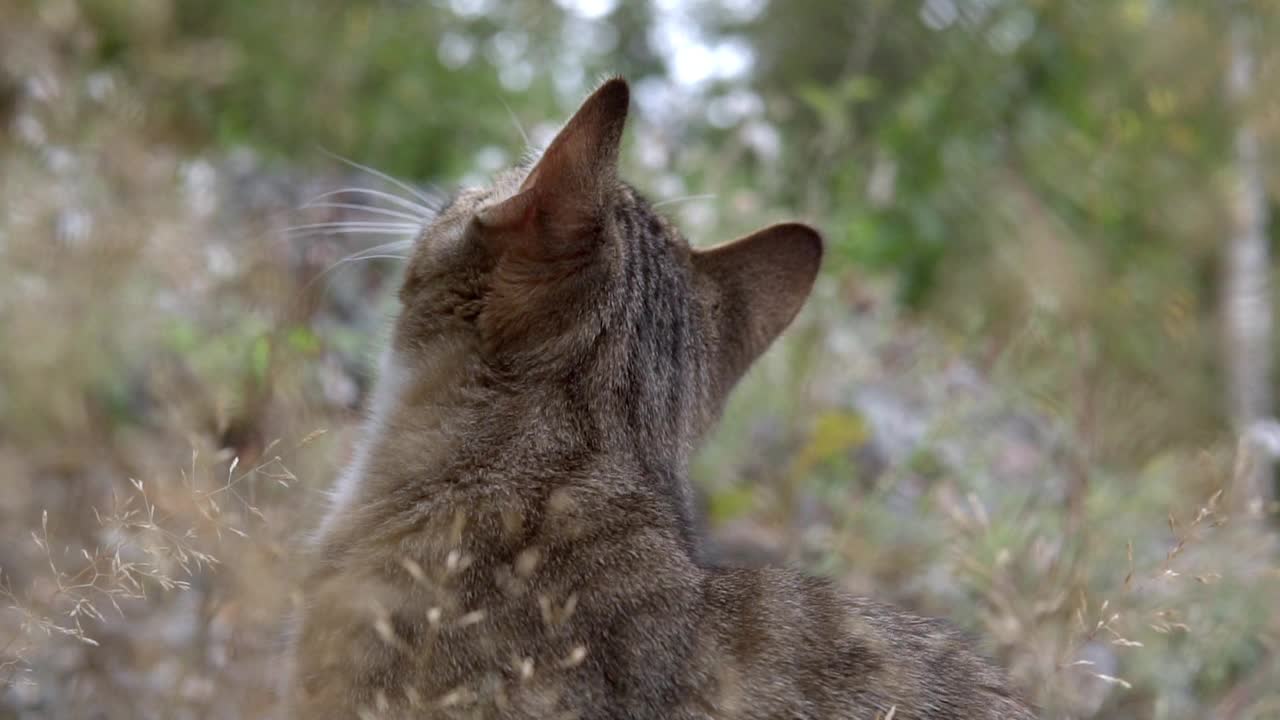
(572, 184)
(752, 288)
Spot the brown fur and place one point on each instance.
(515, 540)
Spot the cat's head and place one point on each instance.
(561, 273)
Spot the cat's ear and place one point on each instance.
(583, 157)
(572, 184)
(753, 288)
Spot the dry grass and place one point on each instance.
(163, 396)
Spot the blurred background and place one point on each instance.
(1032, 393)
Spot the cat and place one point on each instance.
(515, 537)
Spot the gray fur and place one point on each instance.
(516, 541)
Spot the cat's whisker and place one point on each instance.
(377, 252)
(404, 244)
(351, 259)
(355, 225)
(372, 257)
(516, 121)
(686, 198)
(384, 176)
(394, 245)
(423, 211)
(384, 247)
(327, 232)
(372, 209)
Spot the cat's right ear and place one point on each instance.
(543, 238)
(753, 287)
(572, 184)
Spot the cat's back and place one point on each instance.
(506, 602)
(789, 645)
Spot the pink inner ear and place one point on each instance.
(566, 166)
(582, 159)
(514, 213)
(568, 186)
(530, 178)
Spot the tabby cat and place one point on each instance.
(514, 537)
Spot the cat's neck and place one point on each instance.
(434, 429)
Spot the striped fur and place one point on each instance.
(515, 541)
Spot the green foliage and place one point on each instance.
(370, 81)
(1057, 163)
